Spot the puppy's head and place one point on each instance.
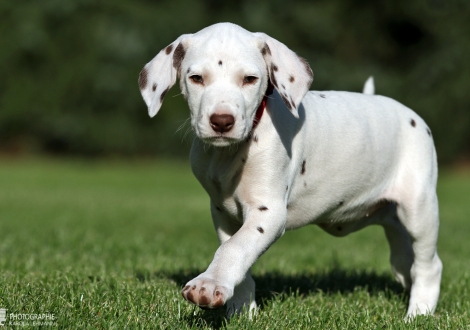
(224, 71)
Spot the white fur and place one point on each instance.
(369, 87)
(336, 159)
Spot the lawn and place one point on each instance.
(109, 244)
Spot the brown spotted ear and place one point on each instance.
(290, 74)
(160, 74)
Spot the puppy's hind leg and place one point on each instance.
(420, 218)
(401, 251)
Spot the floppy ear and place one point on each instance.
(160, 74)
(290, 74)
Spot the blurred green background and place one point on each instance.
(69, 68)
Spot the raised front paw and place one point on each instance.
(206, 293)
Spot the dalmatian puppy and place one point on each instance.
(274, 156)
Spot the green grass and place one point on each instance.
(108, 245)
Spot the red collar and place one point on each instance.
(262, 106)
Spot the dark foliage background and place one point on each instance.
(69, 68)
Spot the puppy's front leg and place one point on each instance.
(263, 225)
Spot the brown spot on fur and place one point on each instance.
(287, 102)
(265, 50)
(255, 138)
(220, 62)
(308, 69)
(273, 79)
(163, 94)
(274, 67)
(413, 123)
(154, 87)
(262, 208)
(302, 171)
(219, 301)
(203, 300)
(169, 49)
(291, 79)
(261, 230)
(178, 57)
(143, 78)
(190, 296)
(283, 87)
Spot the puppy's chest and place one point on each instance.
(225, 190)
(229, 181)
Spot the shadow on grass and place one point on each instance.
(277, 285)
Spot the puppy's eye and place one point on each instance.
(197, 79)
(249, 80)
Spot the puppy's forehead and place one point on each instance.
(224, 32)
(225, 41)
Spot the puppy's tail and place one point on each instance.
(369, 87)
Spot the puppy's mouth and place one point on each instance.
(221, 140)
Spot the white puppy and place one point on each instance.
(280, 159)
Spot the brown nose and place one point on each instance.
(222, 122)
